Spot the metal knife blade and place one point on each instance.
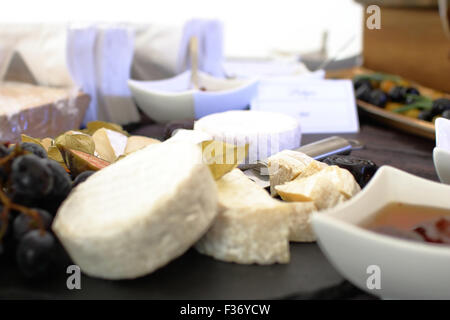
(317, 150)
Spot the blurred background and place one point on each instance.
(251, 28)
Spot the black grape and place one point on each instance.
(34, 148)
(30, 177)
(35, 253)
(82, 177)
(24, 223)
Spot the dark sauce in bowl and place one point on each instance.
(412, 222)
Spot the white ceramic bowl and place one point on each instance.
(173, 99)
(441, 153)
(408, 270)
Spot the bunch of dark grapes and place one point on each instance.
(32, 187)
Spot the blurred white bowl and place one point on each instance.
(408, 269)
(441, 153)
(174, 99)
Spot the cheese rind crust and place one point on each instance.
(138, 214)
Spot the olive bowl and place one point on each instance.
(382, 265)
(175, 98)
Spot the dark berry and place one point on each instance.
(35, 253)
(4, 151)
(34, 148)
(24, 223)
(30, 177)
(82, 177)
(62, 185)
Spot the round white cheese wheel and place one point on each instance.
(139, 213)
(266, 133)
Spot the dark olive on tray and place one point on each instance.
(378, 98)
(177, 124)
(363, 92)
(362, 169)
(362, 82)
(439, 106)
(425, 115)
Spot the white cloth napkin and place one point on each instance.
(163, 51)
(81, 63)
(113, 51)
(95, 58)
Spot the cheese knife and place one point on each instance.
(317, 150)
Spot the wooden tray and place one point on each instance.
(414, 126)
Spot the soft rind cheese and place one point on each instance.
(139, 213)
(266, 133)
(288, 165)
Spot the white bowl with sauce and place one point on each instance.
(175, 99)
(405, 269)
(441, 153)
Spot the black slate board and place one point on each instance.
(192, 276)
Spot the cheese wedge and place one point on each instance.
(326, 188)
(342, 179)
(139, 213)
(251, 226)
(287, 165)
(135, 143)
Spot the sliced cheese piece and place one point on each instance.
(266, 133)
(251, 226)
(109, 144)
(316, 188)
(342, 179)
(139, 213)
(135, 143)
(287, 165)
(326, 188)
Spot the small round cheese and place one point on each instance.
(139, 213)
(266, 133)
